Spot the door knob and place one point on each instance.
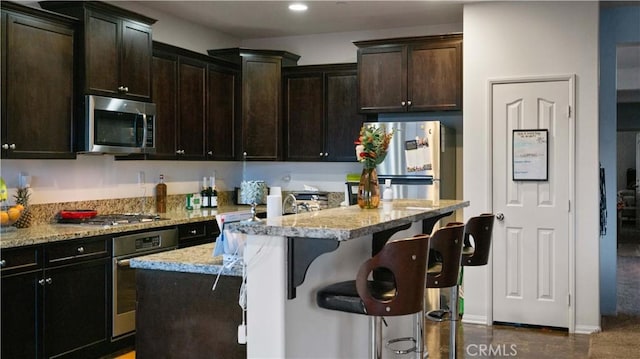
(500, 217)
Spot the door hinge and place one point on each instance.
(569, 299)
(569, 111)
(569, 206)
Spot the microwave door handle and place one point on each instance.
(144, 130)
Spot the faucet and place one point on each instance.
(294, 206)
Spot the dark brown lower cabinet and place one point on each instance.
(20, 315)
(75, 307)
(179, 316)
(59, 309)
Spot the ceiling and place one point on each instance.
(262, 19)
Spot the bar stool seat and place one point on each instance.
(399, 293)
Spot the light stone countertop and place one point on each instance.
(347, 223)
(196, 259)
(337, 223)
(53, 232)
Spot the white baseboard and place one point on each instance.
(587, 329)
(475, 319)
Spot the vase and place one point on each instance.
(369, 189)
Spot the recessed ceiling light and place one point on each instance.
(298, 7)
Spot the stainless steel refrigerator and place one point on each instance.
(421, 160)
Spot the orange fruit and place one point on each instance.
(14, 214)
(19, 207)
(4, 217)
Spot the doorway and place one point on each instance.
(533, 239)
(627, 179)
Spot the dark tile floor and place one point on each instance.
(497, 341)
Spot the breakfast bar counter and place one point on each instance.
(289, 258)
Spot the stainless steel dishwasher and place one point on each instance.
(124, 277)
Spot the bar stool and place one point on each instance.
(480, 230)
(406, 259)
(445, 247)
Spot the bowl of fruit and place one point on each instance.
(17, 215)
(9, 215)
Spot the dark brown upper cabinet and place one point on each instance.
(37, 83)
(260, 99)
(410, 74)
(195, 105)
(223, 84)
(115, 48)
(321, 119)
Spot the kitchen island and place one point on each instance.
(178, 314)
(289, 258)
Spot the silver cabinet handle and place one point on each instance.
(500, 216)
(12, 146)
(5, 146)
(48, 280)
(80, 250)
(193, 231)
(244, 154)
(41, 282)
(403, 103)
(326, 154)
(408, 103)
(3, 263)
(210, 153)
(123, 89)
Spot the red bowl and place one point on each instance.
(78, 213)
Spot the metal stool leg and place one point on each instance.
(453, 324)
(376, 337)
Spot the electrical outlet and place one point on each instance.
(141, 178)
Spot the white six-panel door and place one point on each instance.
(531, 233)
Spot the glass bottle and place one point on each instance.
(369, 189)
(204, 194)
(213, 201)
(161, 196)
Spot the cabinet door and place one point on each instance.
(435, 76)
(135, 69)
(37, 115)
(343, 121)
(221, 114)
(165, 93)
(261, 84)
(20, 298)
(191, 108)
(76, 306)
(102, 56)
(382, 79)
(304, 117)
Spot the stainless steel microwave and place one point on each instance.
(117, 126)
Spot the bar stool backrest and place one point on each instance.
(447, 241)
(406, 259)
(480, 229)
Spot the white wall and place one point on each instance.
(515, 39)
(338, 47)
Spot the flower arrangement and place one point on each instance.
(372, 145)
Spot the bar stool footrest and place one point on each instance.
(402, 351)
(439, 315)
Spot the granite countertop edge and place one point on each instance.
(53, 232)
(196, 259)
(347, 223)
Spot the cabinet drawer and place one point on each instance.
(197, 233)
(75, 251)
(20, 259)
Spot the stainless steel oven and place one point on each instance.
(124, 277)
